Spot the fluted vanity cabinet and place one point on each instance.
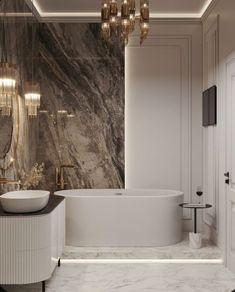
(31, 244)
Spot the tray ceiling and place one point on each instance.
(159, 8)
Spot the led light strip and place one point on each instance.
(16, 14)
(204, 8)
(97, 14)
(68, 14)
(142, 261)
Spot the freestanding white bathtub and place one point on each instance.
(116, 217)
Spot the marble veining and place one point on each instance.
(23, 146)
(81, 74)
(137, 278)
(177, 251)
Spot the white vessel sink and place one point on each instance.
(24, 201)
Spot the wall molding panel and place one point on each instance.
(181, 45)
(210, 146)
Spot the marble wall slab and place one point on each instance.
(83, 75)
(23, 146)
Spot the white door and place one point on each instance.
(230, 161)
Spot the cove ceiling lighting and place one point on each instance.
(94, 15)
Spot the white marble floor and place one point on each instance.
(137, 278)
(177, 251)
(126, 276)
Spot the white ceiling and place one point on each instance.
(159, 8)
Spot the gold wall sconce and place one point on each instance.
(7, 87)
(32, 97)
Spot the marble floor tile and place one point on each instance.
(82, 276)
(178, 251)
(136, 278)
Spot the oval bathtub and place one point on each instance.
(116, 217)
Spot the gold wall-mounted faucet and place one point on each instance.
(60, 182)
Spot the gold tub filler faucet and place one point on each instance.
(60, 182)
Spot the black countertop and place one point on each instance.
(53, 202)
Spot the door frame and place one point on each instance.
(224, 189)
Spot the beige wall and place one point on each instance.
(218, 31)
(163, 142)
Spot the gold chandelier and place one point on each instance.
(111, 22)
(8, 88)
(32, 93)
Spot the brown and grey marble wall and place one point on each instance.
(23, 144)
(83, 75)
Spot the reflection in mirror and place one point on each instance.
(6, 129)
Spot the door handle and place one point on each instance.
(226, 174)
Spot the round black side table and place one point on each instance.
(195, 207)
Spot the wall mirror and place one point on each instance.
(6, 133)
